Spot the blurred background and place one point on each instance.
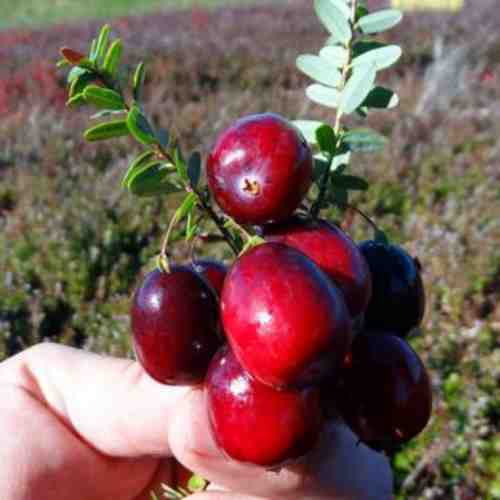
(73, 245)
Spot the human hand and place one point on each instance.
(78, 426)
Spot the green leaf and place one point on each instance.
(343, 7)
(75, 100)
(112, 59)
(93, 51)
(308, 129)
(107, 130)
(138, 83)
(191, 228)
(380, 21)
(340, 160)
(349, 182)
(152, 180)
(80, 83)
(103, 98)
(326, 140)
(164, 137)
(140, 127)
(75, 73)
(186, 207)
(335, 55)
(180, 164)
(334, 20)
(364, 140)
(194, 169)
(320, 165)
(381, 98)
(102, 42)
(107, 112)
(380, 57)
(319, 69)
(323, 95)
(139, 163)
(357, 88)
(339, 196)
(361, 11)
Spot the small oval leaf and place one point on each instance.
(364, 140)
(139, 77)
(334, 54)
(103, 98)
(380, 21)
(140, 127)
(381, 98)
(186, 207)
(107, 130)
(308, 129)
(323, 95)
(326, 139)
(319, 69)
(350, 183)
(152, 180)
(381, 57)
(357, 88)
(136, 165)
(334, 20)
(112, 59)
(194, 169)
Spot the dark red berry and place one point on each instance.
(255, 423)
(398, 297)
(175, 325)
(213, 271)
(260, 169)
(286, 321)
(385, 395)
(333, 251)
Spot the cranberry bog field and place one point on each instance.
(73, 245)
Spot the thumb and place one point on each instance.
(110, 403)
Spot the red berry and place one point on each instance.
(260, 169)
(333, 251)
(255, 423)
(385, 395)
(213, 271)
(287, 323)
(175, 325)
(398, 297)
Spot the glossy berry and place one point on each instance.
(213, 271)
(260, 169)
(333, 251)
(287, 323)
(253, 422)
(385, 396)
(398, 298)
(175, 325)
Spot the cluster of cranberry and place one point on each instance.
(304, 325)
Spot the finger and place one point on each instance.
(338, 468)
(109, 403)
(40, 454)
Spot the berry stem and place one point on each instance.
(163, 263)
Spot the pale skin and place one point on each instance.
(78, 426)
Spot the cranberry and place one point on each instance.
(385, 394)
(213, 271)
(260, 169)
(287, 323)
(333, 251)
(398, 298)
(253, 422)
(175, 325)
